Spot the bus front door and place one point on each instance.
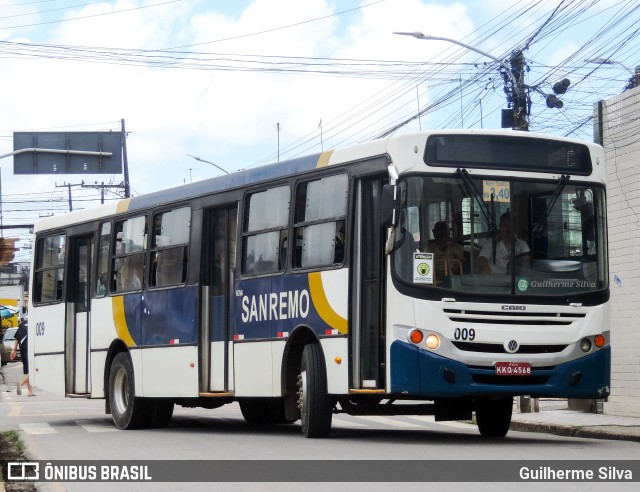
(78, 308)
(218, 260)
(367, 334)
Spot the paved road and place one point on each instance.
(55, 428)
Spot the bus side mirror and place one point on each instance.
(390, 206)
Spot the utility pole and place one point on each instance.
(102, 188)
(518, 100)
(461, 111)
(278, 133)
(125, 162)
(479, 101)
(634, 81)
(522, 102)
(69, 185)
(515, 88)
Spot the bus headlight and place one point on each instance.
(433, 341)
(599, 341)
(585, 344)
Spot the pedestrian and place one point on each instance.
(21, 339)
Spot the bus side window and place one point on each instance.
(128, 254)
(266, 221)
(49, 266)
(103, 259)
(170, 237)
(321, 207)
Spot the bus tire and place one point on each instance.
(313, 401)
(263, 411)
(127, 411)
(494, 416)
(161, 413)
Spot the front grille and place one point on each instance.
(496, 348)
(509, 380)
(497, 317)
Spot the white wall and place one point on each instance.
(621, 139)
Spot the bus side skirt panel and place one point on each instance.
(336, 356)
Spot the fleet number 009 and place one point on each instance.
(464, 334)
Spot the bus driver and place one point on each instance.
(486, 263)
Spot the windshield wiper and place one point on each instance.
(543, 214)
(472, 191)
(489, 214)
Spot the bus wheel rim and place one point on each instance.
(120, 388)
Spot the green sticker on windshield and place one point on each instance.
(523, 285)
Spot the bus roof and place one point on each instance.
(407, 150)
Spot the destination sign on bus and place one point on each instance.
(511, 152)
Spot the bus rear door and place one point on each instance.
(367, 336)
(218, 247)
(78, 308)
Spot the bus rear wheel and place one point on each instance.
(494, 416)
(127, 411)
(313, 401)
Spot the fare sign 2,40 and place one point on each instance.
(513, 368)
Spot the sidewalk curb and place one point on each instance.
(590, 432)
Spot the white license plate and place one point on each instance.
(513, 368)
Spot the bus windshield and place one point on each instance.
(502, 236)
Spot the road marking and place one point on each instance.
(420, 424)
(15, 410)
(38, 428)
(91, 426)
(430, 419)
(391, 422)
(343, 422)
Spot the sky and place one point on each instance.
(244, 83)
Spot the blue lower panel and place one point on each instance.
(420, 373)
(170, 316)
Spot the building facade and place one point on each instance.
(617, 128)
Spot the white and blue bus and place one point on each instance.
(317, 286)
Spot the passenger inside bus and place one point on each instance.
(448, 256)
(501, 263)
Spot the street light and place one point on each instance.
(634, 80)
(208, 162)
(517, 116)
(609, 61)
(419, 35)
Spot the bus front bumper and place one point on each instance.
(417, 372)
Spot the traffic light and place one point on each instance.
(558, 88)
(554, 102)
(562, 86)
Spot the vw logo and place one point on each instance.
(511, 347)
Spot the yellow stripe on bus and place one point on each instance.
(321, 303)
(123, 205)
(120, 322)
(325, 157)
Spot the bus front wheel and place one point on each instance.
(127, 411)
(494, 416)
(313, 401)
